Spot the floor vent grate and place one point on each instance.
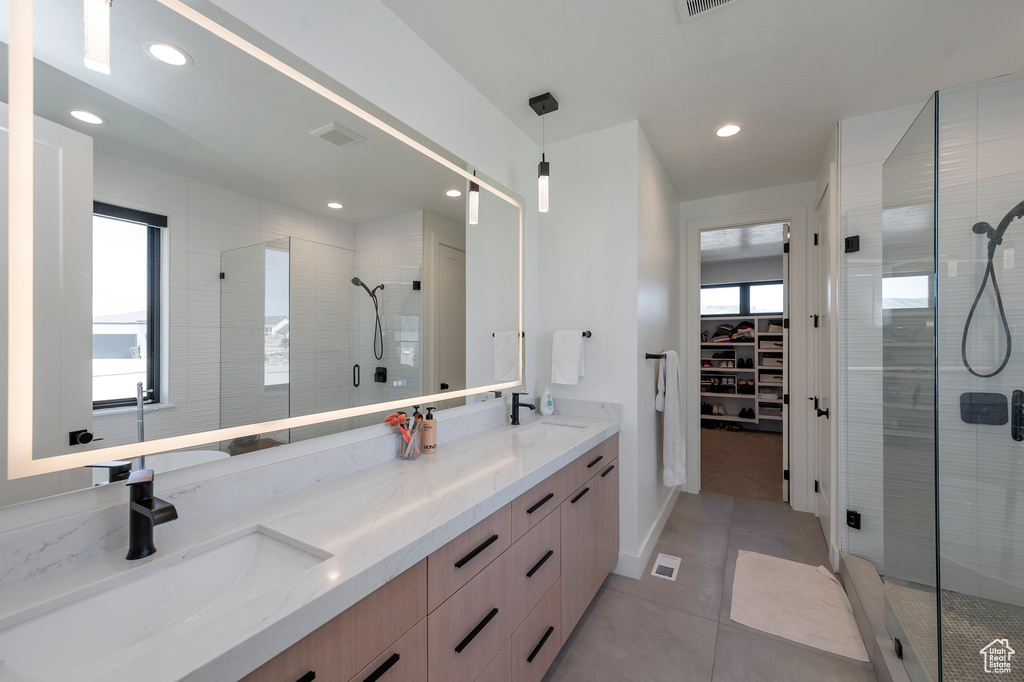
(691, 9)
(666, 567)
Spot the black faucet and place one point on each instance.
(516, 405)
(144, 512)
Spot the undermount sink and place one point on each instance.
(120, 622)
(545, 429)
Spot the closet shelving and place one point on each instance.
(722, 385)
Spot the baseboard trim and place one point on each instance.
(632, 566)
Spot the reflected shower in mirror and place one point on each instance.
(240, 244)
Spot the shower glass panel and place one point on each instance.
(953, 464)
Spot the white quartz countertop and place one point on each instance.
(375, 524)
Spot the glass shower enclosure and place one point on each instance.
(953, 440)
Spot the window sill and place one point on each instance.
(153, 407)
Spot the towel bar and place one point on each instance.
(522, 334)
(655, 356)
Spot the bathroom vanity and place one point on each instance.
(474, 563)
(495, 603)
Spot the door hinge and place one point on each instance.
(817, 488)
(222, 275)
(853, 519)
(853, 244)
(815, 238)
(785, 323)
(785, 399)
(785, 474)
(785, 248)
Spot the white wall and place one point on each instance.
(747, 208)
(864, 144)
(747, 270)
(658, 296)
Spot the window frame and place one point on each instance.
(154, 224)
(744, 298)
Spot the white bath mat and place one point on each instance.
(802, 603)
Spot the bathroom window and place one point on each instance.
(125, 305)
(737, 300)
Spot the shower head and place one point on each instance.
(359, 283)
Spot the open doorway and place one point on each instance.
(743, 361)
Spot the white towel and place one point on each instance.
(669, 401)
(506, 356)
(567, 361)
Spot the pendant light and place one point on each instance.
(543, 104)
(97, 34)
(474, 202)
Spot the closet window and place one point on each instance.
(720, 300)
(125, 305)
(746, 298)
(765, 299)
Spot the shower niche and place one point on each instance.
(951, 376)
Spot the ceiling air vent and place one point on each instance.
(336, 134)
(691, 9)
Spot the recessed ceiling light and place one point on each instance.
(168, 54)
(334, 204)
(454, 193)
(728, 130)
(87, 117)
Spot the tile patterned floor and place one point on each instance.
(654, 630)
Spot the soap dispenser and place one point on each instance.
(547, 405)
(430, 431)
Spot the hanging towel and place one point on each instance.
(567, 357)
(669, 402)
(506, 356)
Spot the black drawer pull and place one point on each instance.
(536, 567)
(476, 631)
(540, 504)
(384, 667)
(599, 458)
(472, 555)
(577, 498)
(607, 471)
(308, 677)
(540, 645)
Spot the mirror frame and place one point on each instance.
(20, 361)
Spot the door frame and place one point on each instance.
(829, 194)
(801, 478)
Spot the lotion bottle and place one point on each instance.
(547, 405)
(429, 432)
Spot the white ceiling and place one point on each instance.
(742, 243)
(226, 119)
(786, 70)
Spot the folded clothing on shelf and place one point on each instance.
(744, 331)
(765, 393)
(723, 333)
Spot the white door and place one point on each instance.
(785, 363)
(824, 340)
(451, 322)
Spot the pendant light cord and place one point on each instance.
(995, 238)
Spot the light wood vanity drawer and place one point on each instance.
(361, 633)
(500, 667)
(405, 661)
(536, 642)
(593, 461)
(465, 633)
(455, 564)
(536, 563)
(534, 505)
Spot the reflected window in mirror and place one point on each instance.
(125, 305)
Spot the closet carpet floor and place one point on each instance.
(741, 463)
(656, 630)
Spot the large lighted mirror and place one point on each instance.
(218, 227)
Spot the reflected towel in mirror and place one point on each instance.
(506, 356)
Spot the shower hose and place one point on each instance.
(995, 238)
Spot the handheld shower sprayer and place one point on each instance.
(378, 328)
(995, 238)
